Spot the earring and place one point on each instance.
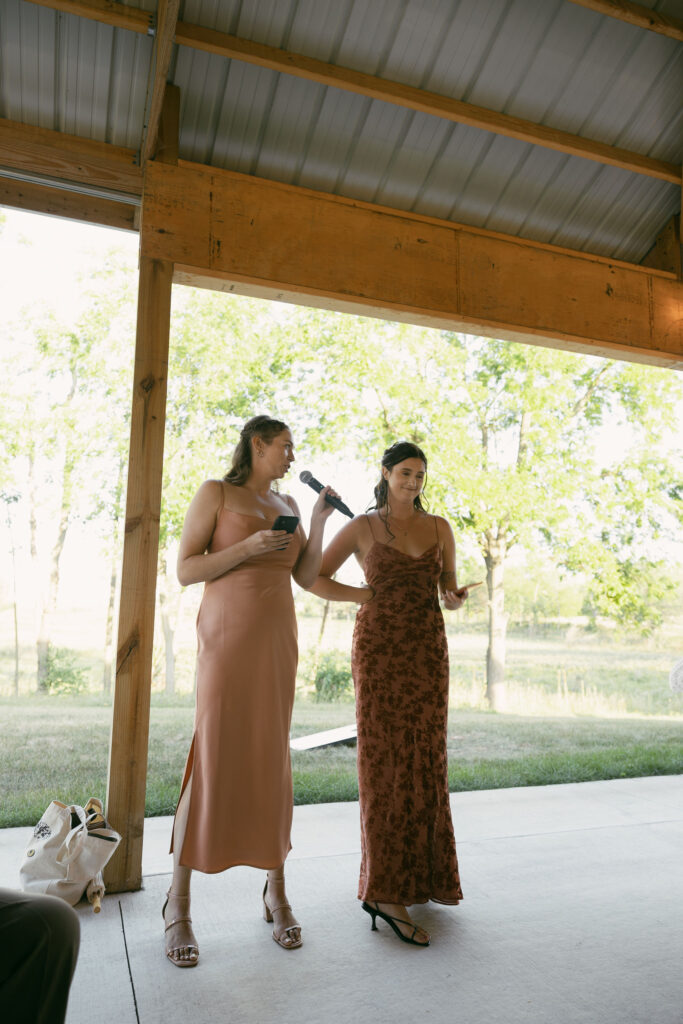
(260, 455)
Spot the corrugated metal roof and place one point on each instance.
(547, 61)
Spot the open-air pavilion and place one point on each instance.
(508, 167)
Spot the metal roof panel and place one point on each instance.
(548, 61)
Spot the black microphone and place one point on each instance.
(308, 478)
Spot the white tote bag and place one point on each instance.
(68, 849)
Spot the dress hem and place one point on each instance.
(237, 864)
(411, 901)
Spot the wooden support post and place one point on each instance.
(130, 724)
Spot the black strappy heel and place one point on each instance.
(375, 912)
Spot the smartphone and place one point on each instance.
(288, 523)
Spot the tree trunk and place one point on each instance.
(50, 606)
(166, 607)
(494, 556)
(318, 649)
(38, 589)
(323, 623)
(43, 644)
(15, 612)
(109, 628)
(169, 655)
(113, 580)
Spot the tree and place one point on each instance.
(66, 406)
(9, 499)
(511, 434)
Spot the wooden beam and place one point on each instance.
(107, 11)
(282, 61)
(665, 254)
(169, 122)
(130, 722)
(636, 14)
(58, 202)
(421, 100)
(69, 158)
(161, 60)
(271, 239)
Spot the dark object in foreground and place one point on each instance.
(308, 478)
(39, 936)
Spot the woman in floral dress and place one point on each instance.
(401, 676)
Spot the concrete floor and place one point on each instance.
(573, 914)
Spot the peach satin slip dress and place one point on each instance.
(239, 763)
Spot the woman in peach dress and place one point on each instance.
(401, 677)
(235, 805)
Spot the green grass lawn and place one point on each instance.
(54, 747)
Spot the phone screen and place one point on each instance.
(288, 523)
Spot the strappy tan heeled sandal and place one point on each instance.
(193, 959)
(280, 938)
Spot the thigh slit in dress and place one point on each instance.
(239, 763)
(401, 678)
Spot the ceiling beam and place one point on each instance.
(69, 158)
(107, 11)
(638, 15)
(160, 63)
(246, 234)
(422, 101)
(57, 202)
(396, 93)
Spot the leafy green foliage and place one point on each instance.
(333, 680)
(633, 593)
(511, 432)
(64, 676)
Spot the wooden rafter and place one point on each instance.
(51, 154)
(107, 11)
(161, 59)
(386, 91)
(636, 14)
(58, 202)
(422, 101)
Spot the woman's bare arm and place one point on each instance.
(337, 552)
(453, 598)
(306, 570)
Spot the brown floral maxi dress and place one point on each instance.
(400, 670)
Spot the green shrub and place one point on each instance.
(333, 679)
(64, 676)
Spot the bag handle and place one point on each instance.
(75, 839)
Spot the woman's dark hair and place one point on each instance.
(398, 452)
(258, 426)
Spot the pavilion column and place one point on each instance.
(125, 804)
(127, 777)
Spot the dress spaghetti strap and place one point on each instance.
(369, 522)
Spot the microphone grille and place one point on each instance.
(305, 476)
